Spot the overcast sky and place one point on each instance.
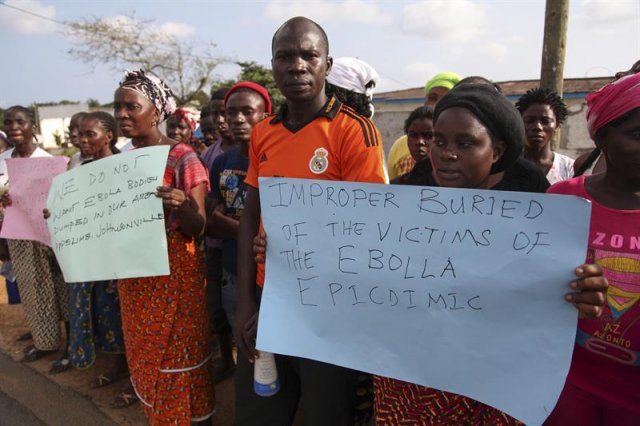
(406, 41)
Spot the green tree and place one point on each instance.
(57, 137)
(129, 42)
(200, 98)
(62, 102)
(253, 71)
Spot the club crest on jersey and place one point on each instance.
(320, 161)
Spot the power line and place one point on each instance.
(67, 24)
(408, 86)
(28, 12)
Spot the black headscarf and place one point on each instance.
(495, 112)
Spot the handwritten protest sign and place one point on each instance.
(30, 182)
(460, 290)
(106, 222)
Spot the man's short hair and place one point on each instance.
(295, 20)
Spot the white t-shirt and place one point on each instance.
(77, 160)
(127, 147)
(562, 168)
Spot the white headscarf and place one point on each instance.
(353, 74)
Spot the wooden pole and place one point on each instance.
(554, 49)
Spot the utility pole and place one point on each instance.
(554, 48)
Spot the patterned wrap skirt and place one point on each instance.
(44, 294)
(402, 403)
(94, 321)
(166, 330)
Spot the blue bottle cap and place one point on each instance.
(269, 389)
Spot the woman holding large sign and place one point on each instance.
(165, 318)
(477, 133)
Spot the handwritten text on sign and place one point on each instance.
(460, 290)
(30, 182)
(105, 220)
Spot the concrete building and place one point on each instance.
(392, 108)
(54, 120)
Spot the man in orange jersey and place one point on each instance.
(311, 137)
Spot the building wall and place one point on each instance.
(390, 124)
(574, 137)
(48, 128)
(55, 119)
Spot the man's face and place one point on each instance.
(300, 62)
(210, 133)
(244, 110)
(218, 116)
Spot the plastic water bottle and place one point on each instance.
(265, 375)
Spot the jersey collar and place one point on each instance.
(329, 110)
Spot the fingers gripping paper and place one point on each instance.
(460, 290)
(106, 222)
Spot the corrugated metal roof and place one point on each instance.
(516, 88)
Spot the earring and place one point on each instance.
(154, 123)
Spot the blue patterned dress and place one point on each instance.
(94, 321)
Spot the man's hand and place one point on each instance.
(246, 329)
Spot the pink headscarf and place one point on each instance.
(612, 101)
(188, 117)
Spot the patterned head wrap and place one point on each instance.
(187, 116)
(355, 75)
(153, 89)
(495, 112)
(612, 101)
(444, 79)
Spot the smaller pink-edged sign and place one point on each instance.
(29, 183)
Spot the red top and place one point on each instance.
(184, 171)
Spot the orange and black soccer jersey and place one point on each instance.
(338, 144)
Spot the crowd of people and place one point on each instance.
(158, 330)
